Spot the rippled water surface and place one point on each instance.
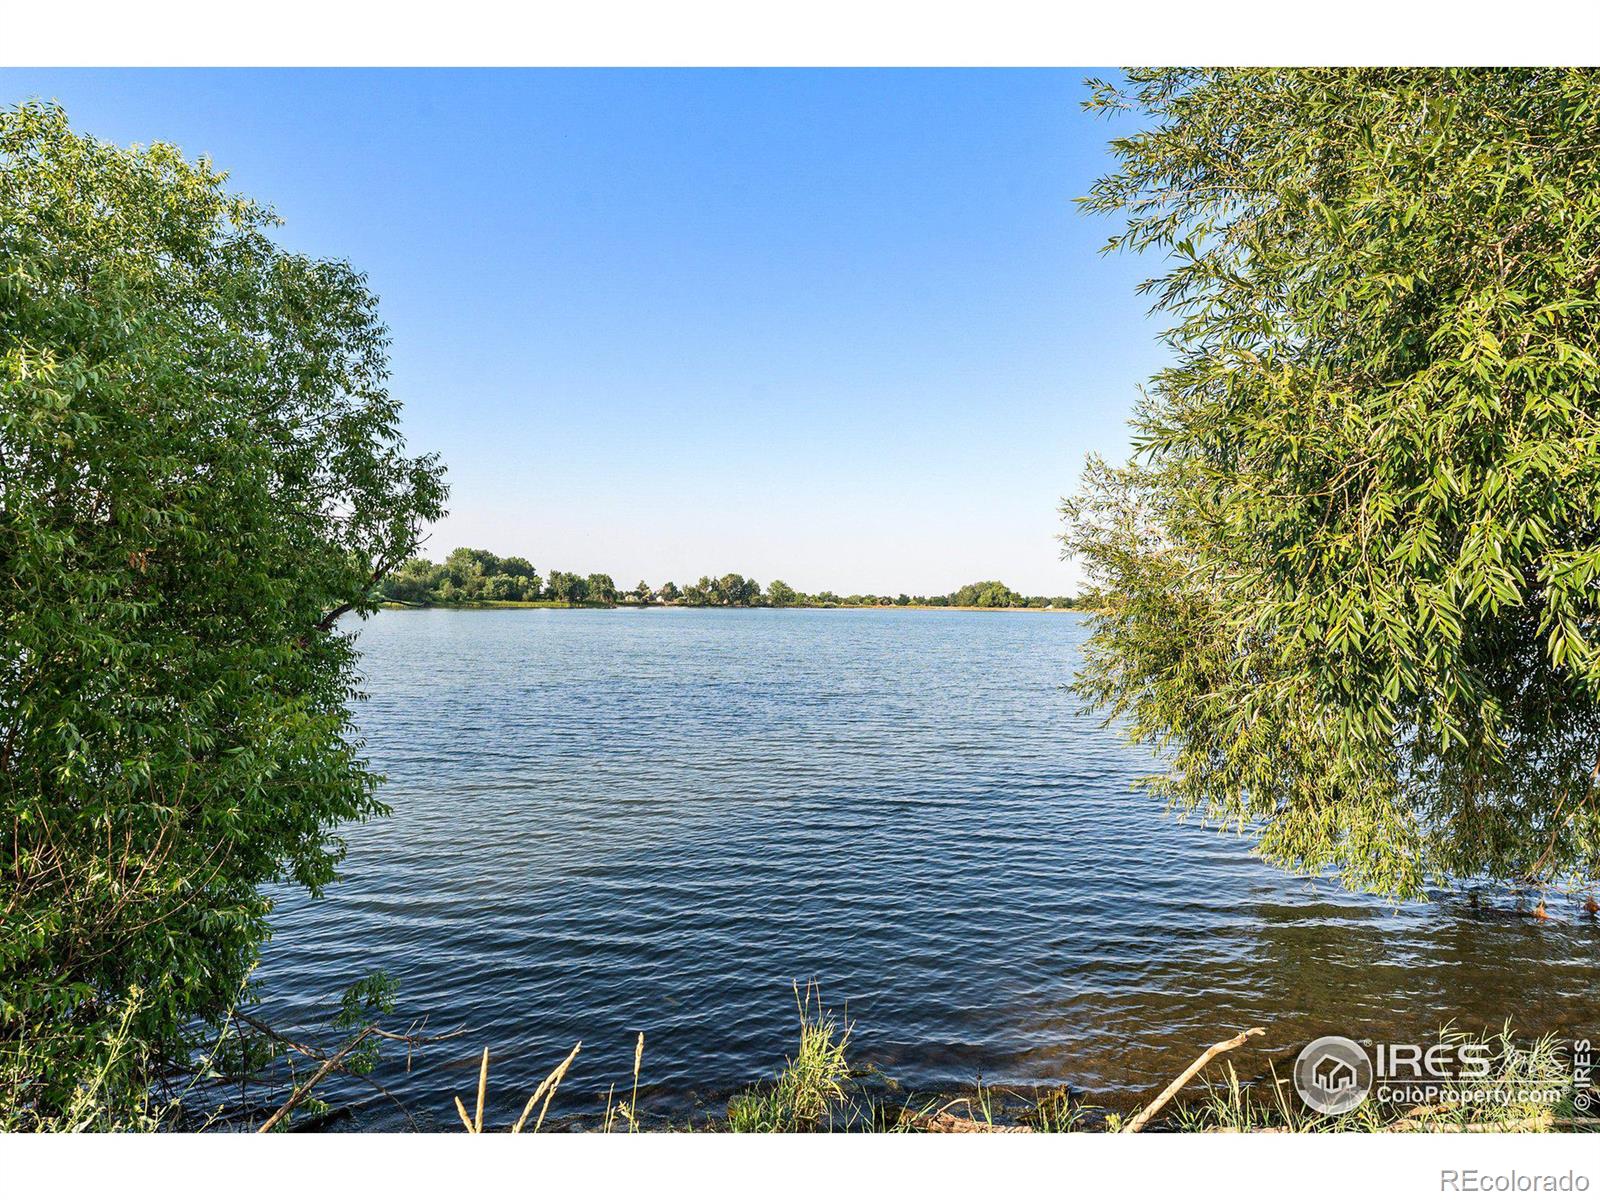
(608, 821)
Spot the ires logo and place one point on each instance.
(1400, 1062)
(1333, 1075)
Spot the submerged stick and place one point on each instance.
(1173, 1088)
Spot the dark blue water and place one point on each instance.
(624, 820)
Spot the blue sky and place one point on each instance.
(846, 328)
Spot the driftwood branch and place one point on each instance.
(410, 1039)
(1194, 1068)
(301, 1092)
(321, 1056)
(942, 1120)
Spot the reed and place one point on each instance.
(545, 1091)
(628, 1110)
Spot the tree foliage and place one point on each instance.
(466, 576)
(200, 472)
(989, 593)
(1352, 575)
(473, 577)
(567, 588)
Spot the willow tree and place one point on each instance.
(1352, 569)
(200, 473)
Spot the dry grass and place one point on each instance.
(545, 1091)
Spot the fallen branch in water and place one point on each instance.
(411, 1039)
(304, 1090)
(1176, 1086)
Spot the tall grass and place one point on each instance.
(114, 1095)
(103, 1100)
(809, 1092)
(1058, 1111)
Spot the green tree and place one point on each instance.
(502, 587)
(642, 592)
(1352, 576)
(669, 592)
(415, 581)
(736, 589)
(517, 568)
(600, 587)
(468, 570)
(989, 593)
(201, 472)
(780, 594)
(566, 587)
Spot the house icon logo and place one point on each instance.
(1333, 1075)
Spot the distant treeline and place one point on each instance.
(476, 576)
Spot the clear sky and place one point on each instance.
(845, 328)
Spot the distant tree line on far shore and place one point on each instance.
(471, 576)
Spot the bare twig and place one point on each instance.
(1194, 1068)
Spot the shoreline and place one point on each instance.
(600, 604)
(824, 1088)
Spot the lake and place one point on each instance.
(613, 820)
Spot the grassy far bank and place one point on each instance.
(478, 578)
(497, 604)
(625, 603)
